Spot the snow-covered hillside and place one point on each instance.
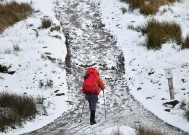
(40, 59)
(42, 55)
(145, 70)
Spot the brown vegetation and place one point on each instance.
(12, 12)
(14, 109)
(147, 131)
(159, 33)
(147, 7)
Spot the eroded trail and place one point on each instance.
(89, 44)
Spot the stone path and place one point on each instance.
(89, 44)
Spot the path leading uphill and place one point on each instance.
(89, 44)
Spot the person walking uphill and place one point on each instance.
(92, 83)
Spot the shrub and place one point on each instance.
(46, 23)
(186, 43)
(124, 10)
(147, 131)
(15, 109)
(3, 68)
(46, 84)
(12, 12)
(16, 48)
(147, 7)
(159, 33)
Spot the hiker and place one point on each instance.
(92, 83)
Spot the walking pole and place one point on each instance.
(82, 108)
(104, 105)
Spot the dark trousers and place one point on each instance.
(92, 99)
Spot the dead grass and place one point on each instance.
(14, 109)
(12, 12)
(147, 131)
(159, 33)
(147, 7)
(185, 43)
(46, 23)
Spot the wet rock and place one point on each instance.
(56, 91)
(172, 103)
(55, 28)
(183, 80)
(139, 88)
(167, 110)
(51, 59)
(148, 98)
(10, 72)
(150, 73)
(60, 94)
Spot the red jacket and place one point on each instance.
(99, 82)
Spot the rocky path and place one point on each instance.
(89, 44)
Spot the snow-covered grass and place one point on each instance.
(145, 69)
(22, 47)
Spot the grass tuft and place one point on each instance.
(186, 43)
(147, 131)
(46, 23)
(3, 68)
(46, 84)
(16, 48)
(147, 7)
(159, 33)
(12, 12)
(124, 10)
(15, 109)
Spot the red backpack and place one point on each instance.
(90, 85)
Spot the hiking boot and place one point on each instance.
(92, 119)
(92, 122)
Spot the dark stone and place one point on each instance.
(167, 110)
(150, 73)
(173, 103)
(51, 59)
(60, 94)
(11, 72)
(139, 88)
(148, 98)
(56, 91)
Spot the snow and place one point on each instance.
(32, 65)
(122, 130)
(150, 90)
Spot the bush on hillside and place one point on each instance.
(159, 33)
(3, 68)
(14, 109)
(186, 43)
(147, 131)
(147, 7)
(46, 23)
(12, 12)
